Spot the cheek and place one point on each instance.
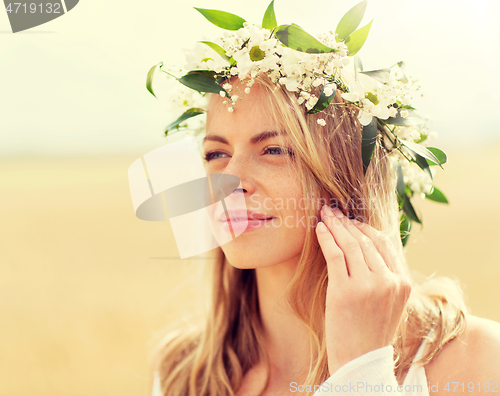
(289, 196)
(292, 213)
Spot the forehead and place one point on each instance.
(253, 112)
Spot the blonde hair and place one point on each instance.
(213, 357)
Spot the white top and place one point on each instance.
(371, 374)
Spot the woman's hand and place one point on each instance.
(367, 287)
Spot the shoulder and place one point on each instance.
(474, 357)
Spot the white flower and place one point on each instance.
(317, 82)
(427, 188)
(351, 96)
(292, 84)
(393, 112)
(328, 91)
(256, 52)
(311, 102)
(202, 57)
(364, 117)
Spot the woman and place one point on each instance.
(310, 294)
(359, 301)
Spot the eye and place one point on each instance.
(282, 150)
(210, 155)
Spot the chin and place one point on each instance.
(248, 260)
(265, 247)
(255, 256)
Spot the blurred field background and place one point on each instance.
(85, 286)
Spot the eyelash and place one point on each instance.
(208, 155)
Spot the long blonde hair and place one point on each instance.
(213, 357)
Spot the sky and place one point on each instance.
(76, 85)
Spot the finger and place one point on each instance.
(355, 261)
(374, 260)
(333, 254)
(383, 244)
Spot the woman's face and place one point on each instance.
(232, 146)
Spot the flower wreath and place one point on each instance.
(298, 61)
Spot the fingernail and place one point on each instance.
(327, 210)
(337, 212)
(322, 227)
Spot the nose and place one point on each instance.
(239, 166)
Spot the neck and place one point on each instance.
(287, 337)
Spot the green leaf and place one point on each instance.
(409, 210)
(400, 202)
(185, 116)
(208, 73)
(294, 37)
(404, 229)
(350, 21)
(323, 100)
(412, 119)
(437, 196)
(149, 79)
(217, 48)
(422, 163)
(407, 107)
(400, 186)
(269, 20)
(381, 75)
(356, 39)
(222, 19)
(201, 82)
(440, 155)
(369, 137)
(415, 148)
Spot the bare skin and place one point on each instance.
(367, 287)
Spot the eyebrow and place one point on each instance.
(254, 139)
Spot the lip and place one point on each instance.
(243, 214)
(240, 221)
